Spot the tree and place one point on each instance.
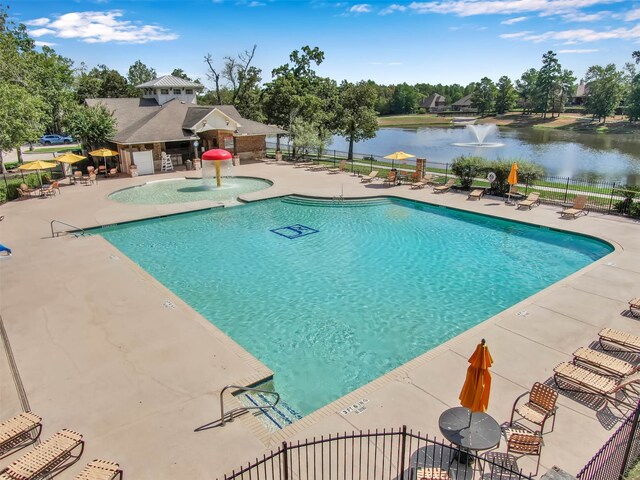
(356, 115)
(138, 74)
(483, 97)
(547, 83)
(178, 72)
(93, 126)
(604, 90)
(506, 95)
(23, 113)
(305, 135)
(297, 92)
(563, 88)
(633, 97)
(406, 99)
(526, 88)
(101, 82)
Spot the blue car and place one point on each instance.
(55, 139)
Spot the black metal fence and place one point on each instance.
(616, 457)
(602, 196)
(383, 455)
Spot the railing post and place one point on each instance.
(446, 171)
(285, 460)
(370, 163)
(526, 184)
(632, 432)
(566, 190)
(404, 450)
(611, 198)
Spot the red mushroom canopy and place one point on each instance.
(216, 154)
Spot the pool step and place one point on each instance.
(335, 202)
(273, 419)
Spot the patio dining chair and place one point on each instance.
(540, 406)
(525, 443)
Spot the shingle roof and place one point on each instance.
(170, 81)
(144, 121)
(463, 102)
(432, 100)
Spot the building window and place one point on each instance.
(189, 91)
(164, 91)
(177, 91)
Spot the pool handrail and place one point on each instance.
(243, 408)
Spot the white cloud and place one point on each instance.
(44, 44)
(361, 8)
(101, 27)
(583, 35)
(466, 8)
(392, 8)
(38, 32)
(583, 50)
(514, 35)
(585, 17)
(632, 15)
(37, 22)
(256, 4)
(511, 21)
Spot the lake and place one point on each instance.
(613, 157)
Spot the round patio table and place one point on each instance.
(482, 433)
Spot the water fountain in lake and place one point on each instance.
(216, 163)
(481, 132)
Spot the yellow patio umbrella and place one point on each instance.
(477, 386)
(513, 179)
(104, 153)
(38, 165)
(69, 158)
(398, 156)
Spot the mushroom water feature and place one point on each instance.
(212, 163)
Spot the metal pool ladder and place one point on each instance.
(230, 413)
(56, 234)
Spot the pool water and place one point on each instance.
(184, 190)
(378, 284)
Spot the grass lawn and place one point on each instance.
(413, 120)
(54, 149)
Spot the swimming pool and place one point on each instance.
(182, 190)
(350, 292)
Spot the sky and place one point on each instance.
(439, 41)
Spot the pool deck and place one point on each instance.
(104, 349)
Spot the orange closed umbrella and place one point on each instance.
(513, 178)
(477, 386)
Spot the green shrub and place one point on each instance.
(467, 168)
(627, 205)
(527, 172)
(9, 190)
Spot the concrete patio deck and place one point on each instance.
(99, 352)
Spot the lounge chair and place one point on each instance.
(532, 200)
(609, 365)
(317, 168)
(100, 470)
(576, 209)
(426, 180)
(19, 431)
(524, 443)
(540, 406)
(446, 187)
(55, 454)
(476, 194)
(369, 178)
(392, 178)
(340, 168)
(623, 340)
(587, 381)
(634, 307)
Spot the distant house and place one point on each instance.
(463, 105)
(434, 103)
(166, 119)
(581, 93)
